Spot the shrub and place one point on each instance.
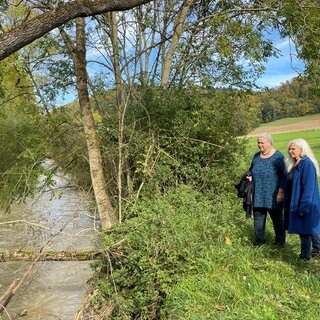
(161, 245)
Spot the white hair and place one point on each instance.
(266, 136)
(305, 151)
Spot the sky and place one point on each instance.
(283, 68)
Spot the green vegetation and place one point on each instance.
(185, 254)
(184, 249)
(293, 98)
(168, 143)
(22, 135)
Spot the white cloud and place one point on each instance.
(275, 80)
(282, 44)
(283, 68)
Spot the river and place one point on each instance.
(56, 219)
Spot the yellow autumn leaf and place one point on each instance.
(228, 241)
(219, 307)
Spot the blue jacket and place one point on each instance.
(305, 201)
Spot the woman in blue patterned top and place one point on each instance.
(267, 169)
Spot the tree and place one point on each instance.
(208, 43)
(78, 55)
(29, 30)
(21, 133)
(38, 26)
(120, 100)
(178, 28)
(301, 24)
(174, 33)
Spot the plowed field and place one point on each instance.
(300, 125)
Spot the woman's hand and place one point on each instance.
(280, 196)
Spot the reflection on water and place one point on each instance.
(58, 218)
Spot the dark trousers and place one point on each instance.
(259, 223)
(310, 245)
(315, 239)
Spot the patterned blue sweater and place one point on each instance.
(267, 175)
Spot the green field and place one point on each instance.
(292, 120)
(281, 140)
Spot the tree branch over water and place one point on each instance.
(32, 29)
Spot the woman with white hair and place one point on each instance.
(267, 171)
(302, 199)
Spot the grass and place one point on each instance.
(292, 120)
(243, 282)
(236, 280)
(198, 255)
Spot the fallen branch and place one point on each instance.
(9, 290)
(15, 285)
(23, 255)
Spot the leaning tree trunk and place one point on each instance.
(104, 206)
(178, 30)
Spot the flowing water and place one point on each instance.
(57, 219)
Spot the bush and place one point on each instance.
(160, 246)
(174, 137)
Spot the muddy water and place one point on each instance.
(56, 219)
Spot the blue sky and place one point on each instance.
(283, 68)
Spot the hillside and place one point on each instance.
(289, 125)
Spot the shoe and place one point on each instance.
(303, 258)
(258, 243)
(281, 245)
(315, 254)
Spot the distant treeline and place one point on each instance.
(291, 99)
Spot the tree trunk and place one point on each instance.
(120, 102)
(104, 206)
(102, 198)
(178, 29)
